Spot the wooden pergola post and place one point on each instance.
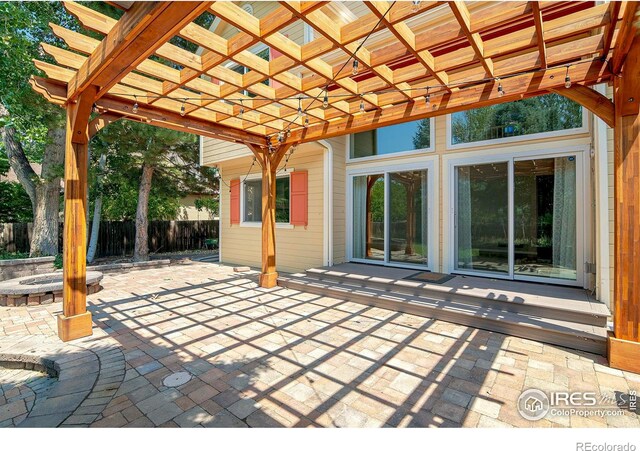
(75, 320)
(624, 346)
(269, 161)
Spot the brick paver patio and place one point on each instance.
(279, 357)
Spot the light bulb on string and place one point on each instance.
(325, 101)
(135, 105)
(241, 110)
(96, 109)
(427, 97)
(500, 90)
(306, 122)
(567, 79)
(361, 105)
(183, 109)
(416, 5)
(355, 67)
(300, 106)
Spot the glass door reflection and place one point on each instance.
(368, 217)
(408, 217)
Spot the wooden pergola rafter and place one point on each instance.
(458, 52)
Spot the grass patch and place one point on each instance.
(4, 255)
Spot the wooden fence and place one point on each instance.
(117, 238)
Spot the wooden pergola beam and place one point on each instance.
(56, 93)
(516, 88)
(136, 36)
(625, 36)
(592, 100)
(463, 16)
(624, 345)
(542, 47)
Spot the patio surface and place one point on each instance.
(281, 358)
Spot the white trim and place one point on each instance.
(394, 155)
(220, 185)
(513, 139)
(509, 155)
(308, 33)
(431, 165)
(258, 176)
(603, 281)
(200, 151)
(327, 235)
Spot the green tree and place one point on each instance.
(148, 170)
(422, 137)
(32, 130)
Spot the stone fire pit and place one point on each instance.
(40, 289)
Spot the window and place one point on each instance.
(265, 55)
(547, 113)
(252, 197)
(392, 139)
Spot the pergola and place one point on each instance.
(414, 59)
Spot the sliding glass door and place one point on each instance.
(390, 220)
(482, 218)
(519, 219)
(545, 218)
(368, 217)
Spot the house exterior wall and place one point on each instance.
(242, 245)
(297, 248)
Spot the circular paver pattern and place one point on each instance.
(176, 379)
(19, 389)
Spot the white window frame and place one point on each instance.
(584, 128)
(405, 153)
(431, 165)
(510, 155)
(258, 224)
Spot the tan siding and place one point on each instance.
(216, 150)
(297, 248)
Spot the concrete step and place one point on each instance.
(572, 335)
(590, 313)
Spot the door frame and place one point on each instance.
(428, 163)
(583, 212)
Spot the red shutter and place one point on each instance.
(298, 210)
(273, 54)
(234, 202)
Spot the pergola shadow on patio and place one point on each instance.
(284, 358)
(269, 358)
(423, 59)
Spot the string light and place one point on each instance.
(500, 90)
(361, 104)
(183, 110)
(325, 100)
(427, 98)
(241, 110)
(299, 106)
(355, 67)
(135, 105)
(567, 79)
(416, 5)
(95, 108)
(306, 122)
